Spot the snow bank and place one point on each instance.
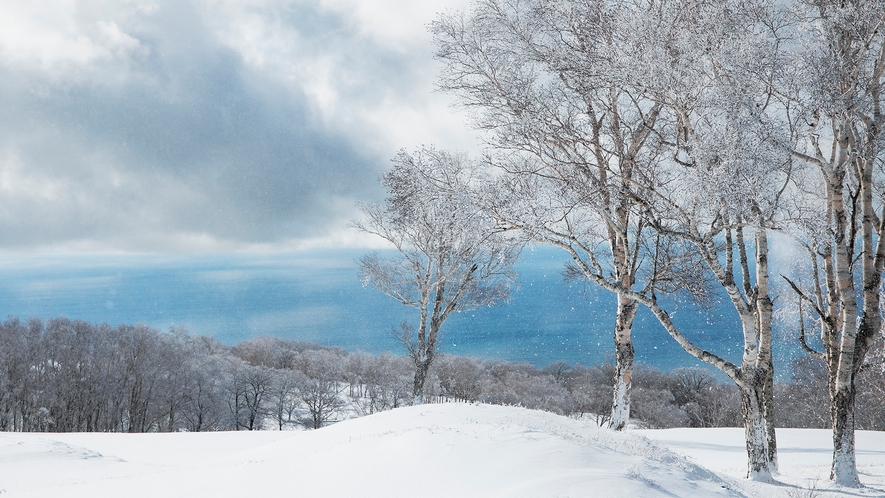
(804, 458)
(456, 450)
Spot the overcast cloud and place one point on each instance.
(189, 126)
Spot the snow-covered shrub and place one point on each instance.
(319, 386)
(804, 402)
(386, 383)
(459, 377)
(524, 385)
(707, 402)
(591, 390)
(657, 408)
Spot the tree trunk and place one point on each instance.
(755, 427)
(768, 413)
(844, 468)
(624, 353)
(421, 369)
(424, 352)
(763, 312)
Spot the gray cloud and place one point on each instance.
(187, 126)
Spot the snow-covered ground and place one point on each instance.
(456, 450)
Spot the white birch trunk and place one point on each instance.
(624, 354)
(763, 313)
(844, 468)
(758, 462)
(626, 311)
(620, 415)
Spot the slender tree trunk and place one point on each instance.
(425, 352)
(624, 354)
(421, 368)
(626, 311)
(755, 427)
(768, 413)
(756, 382)
(844, 467)
(763, 312)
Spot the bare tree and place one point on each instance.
(539, 79)
(605, 110)
(451, 257)
(591, 391)
(284, 396)
(256, 388)
(804, 402)
(318, 387)
(831, 97)
(21, 376)
(459, 377)
(203, 407)
(725, 181)
(387, 382)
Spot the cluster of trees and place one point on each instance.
(663, 145)
(63, 375)
(685, 397)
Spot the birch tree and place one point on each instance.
(631, 106)
(727, 185)
(539, 79)
(451, 256)
(831, 98)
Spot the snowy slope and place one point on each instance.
(804, 459)
(456, 450)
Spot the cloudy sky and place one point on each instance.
(188, 126)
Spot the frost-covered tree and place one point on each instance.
(452, 257)
(317, 383)
(539, 79)
(602, 110)
(831, 97)
(21, 374)
(383, 382)
(284, 399)
(726, 180)
(203, 408)
(459, 378)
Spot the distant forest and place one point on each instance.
(63, 375)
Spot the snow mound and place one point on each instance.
(456, 450)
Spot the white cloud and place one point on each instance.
(65, 38)
(208, 125)
(369, 73)
(44, 33)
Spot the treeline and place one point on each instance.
(69, 376)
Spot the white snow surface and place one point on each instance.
(451, 450)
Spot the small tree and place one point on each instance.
(451, 257)
(387, 383)
(203, 407)
(316, 381)
(284, 396)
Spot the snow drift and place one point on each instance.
(457, 450)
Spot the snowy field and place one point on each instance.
(456, 450)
